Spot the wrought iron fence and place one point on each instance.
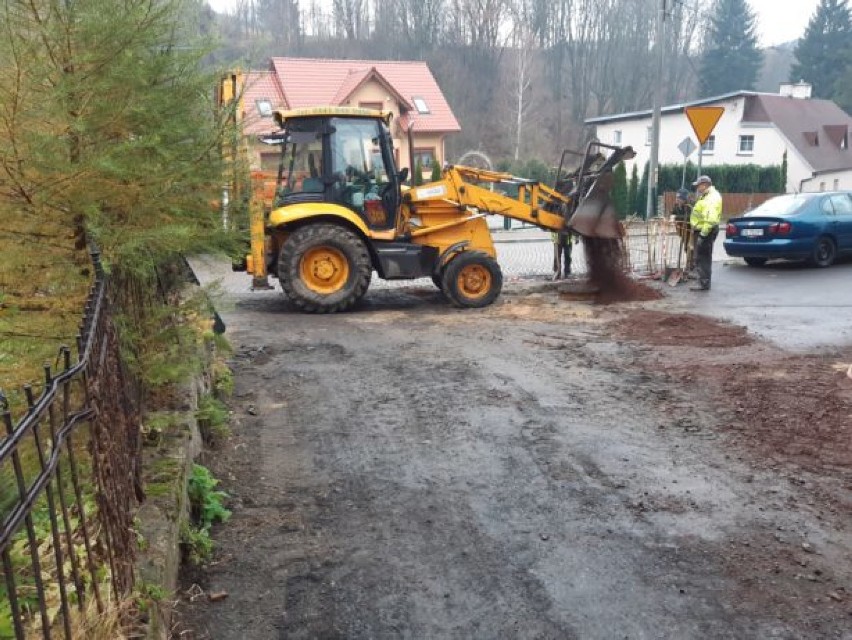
(69, 482)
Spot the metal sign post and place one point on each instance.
(686, 147)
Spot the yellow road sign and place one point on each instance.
(703, 120)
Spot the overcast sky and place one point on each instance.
(777, 22)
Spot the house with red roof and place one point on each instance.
(407, 89)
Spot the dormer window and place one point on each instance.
(420, 105)
(264, 108)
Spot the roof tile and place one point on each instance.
(308, 82)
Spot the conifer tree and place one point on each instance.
(632, 188)
(823, 52)
(112, 126)
(642, 193)
(731, 60)
(619, 190)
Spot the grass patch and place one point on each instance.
(213, 417)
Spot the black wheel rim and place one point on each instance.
(824, 251)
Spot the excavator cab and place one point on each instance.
(345, 160)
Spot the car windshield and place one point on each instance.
(782, 205)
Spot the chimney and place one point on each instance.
(801, 90)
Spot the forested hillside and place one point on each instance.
(521, 75)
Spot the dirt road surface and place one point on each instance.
(544, 468)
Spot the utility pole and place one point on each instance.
(650, 205)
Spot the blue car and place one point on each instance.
(816, 227)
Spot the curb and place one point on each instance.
(518, 240)
(166, 472)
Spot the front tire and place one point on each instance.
(825, 252)
(324, 268)
(472, 279)
(755, 262)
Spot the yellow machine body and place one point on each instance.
(324, 251)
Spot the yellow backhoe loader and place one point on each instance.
(340, 211)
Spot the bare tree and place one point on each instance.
(282, 20)
(350, 18)
(523, 43)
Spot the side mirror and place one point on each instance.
(403, 174)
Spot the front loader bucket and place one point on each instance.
(596, 216)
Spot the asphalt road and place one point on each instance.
(798, 307)
(409, 470)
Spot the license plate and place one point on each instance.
(751, 233)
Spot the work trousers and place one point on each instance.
(704, 256)
(562, 256)
(687, 245)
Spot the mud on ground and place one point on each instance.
(543, 468)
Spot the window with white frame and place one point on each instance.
(616, 137)
(710, 145)
(746, 145)
(420, 105)
(837, 184)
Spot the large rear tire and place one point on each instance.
(324, 268)
(472, 279)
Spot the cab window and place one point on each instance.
(358, 167)
(302, 169)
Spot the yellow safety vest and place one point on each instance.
(707, 212)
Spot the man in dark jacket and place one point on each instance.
(681, 212)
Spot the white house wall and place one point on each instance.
(769, 143)
(830, 181)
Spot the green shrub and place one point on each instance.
(206, 508)
(207, 504)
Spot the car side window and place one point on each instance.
(826, 206)
(842, 204)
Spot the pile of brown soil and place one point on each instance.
(776, 408)
(797, 410)
(606, 273)
(686, 329)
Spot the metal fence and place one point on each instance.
(651, 249)
(69, 483)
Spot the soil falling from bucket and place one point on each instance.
(605, 258)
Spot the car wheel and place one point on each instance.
(825, 251)
(755, 262)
